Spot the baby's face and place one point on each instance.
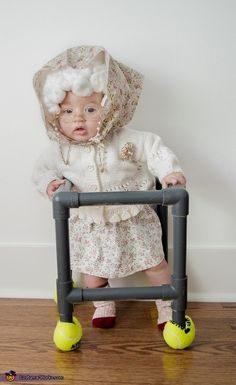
(80, 116)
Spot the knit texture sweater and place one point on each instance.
(126, 160)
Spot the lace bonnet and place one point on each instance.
(85, 70)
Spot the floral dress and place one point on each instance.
(114, 250)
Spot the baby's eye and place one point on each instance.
(90, 110)
(67, 111)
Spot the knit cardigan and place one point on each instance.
(127, 160)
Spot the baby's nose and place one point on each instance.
(78, 114)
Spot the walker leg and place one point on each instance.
(68, 331)
(64, 281)
(180, 332)
(179, 278)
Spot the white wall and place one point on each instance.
(186, 50)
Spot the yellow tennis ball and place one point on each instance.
(67, 335)
(179, 337)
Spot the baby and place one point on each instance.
(87, 100)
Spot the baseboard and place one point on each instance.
(29, 271)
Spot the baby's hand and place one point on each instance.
(173, 179)
(53, 186)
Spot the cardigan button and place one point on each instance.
(90, 167)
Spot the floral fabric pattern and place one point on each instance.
(115, 250)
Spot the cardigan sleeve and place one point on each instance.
(161, 161)
(45, 169)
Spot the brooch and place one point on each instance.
(127, 151)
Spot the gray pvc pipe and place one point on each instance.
(164, 292)
(178, 197)
(63, 201)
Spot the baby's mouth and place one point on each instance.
(80, 130)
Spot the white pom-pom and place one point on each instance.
(98, 81)
(82, 87)
(81, 82)
(53, 109)
(57, 96)
(53, 93)
(46, 100)
(53, 81)
(85, 72)
(68, 76)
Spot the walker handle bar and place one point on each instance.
(175, 196)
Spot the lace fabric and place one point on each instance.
(123, 87)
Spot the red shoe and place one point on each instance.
(105, 314)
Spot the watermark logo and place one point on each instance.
(11, 376)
